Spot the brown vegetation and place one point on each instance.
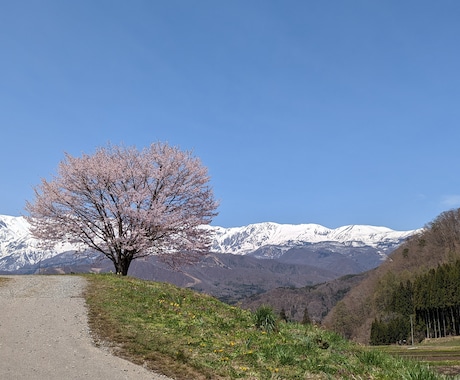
(312, 301)
(438, 243)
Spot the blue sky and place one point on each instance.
(328, 112)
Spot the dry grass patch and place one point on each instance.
(4, 280)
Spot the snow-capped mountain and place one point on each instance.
(245, 240)
(19, 249)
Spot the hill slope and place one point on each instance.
(316, 300)
(438, 243)
(190, 335)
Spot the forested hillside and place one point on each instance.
(313, 302)
(418, 287)
(427, 307)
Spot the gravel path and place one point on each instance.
(44, 334)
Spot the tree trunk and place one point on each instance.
(122, 267)
(443, 313)
(433, 319)
(427, 323)
(458, 319)
(122, 264)
(439, 323)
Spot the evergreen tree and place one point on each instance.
(306, 318)
(283, 315)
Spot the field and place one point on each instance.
(443, 354)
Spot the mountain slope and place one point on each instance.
(317, 300)
(19, 249)
(438, 243)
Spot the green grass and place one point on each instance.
(187, 335)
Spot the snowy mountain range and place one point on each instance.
(245, 240)
(364, 245)
(19, 249)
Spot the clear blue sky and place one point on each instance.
(329, 112)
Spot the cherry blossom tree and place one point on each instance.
(128, 204)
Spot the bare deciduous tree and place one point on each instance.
(128, 204)
(444, 230)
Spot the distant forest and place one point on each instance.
(428, 307)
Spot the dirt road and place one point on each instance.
(44, 334)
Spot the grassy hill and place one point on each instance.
(187, 335)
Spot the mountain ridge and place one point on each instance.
(262, 240)
(282, 237)
(242, 262)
